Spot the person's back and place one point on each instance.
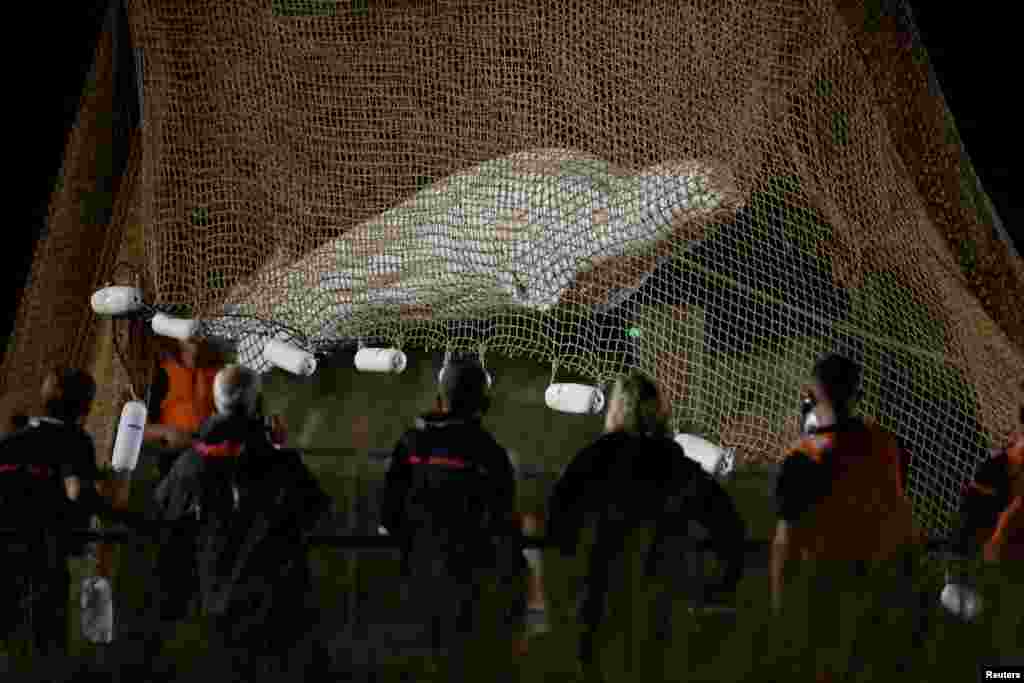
(33, 462)
(252, 503)
(449, 501)
(841, 505)
(846, 479)
(38, 456)
(993, 504)
(450, 485)
(635, 476)
(630, 477)
(47, 482)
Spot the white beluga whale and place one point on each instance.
(532, 230)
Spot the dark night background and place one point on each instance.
(51, 47)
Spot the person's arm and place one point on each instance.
(397, 482)
(506, 522)
(782, 552)
(310, 500)
(984, 500)
(81, 478)
(713, 508)
(567, 503)
(802, 483)
(903, 457)
(1010, 523)
(155, 432)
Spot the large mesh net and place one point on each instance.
(714, 192)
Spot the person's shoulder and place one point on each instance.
(72, 438)
(494, 452)
(13, 444)
(613, 441)
(808, 447)
(670, 448)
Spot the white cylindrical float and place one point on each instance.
(117, 300)
(961, 601)
(128, 442)
(715, 460)
(176, 328)
(289, 357)
(97, 602)
(574, 398)
(380, 360)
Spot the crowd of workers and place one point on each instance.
(234, 504)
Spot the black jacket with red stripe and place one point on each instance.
(252, 505)
(442, 444)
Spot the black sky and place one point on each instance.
(50, 49)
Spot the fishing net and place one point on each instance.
(713, 192)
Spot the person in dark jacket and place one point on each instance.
(451, 492)
(636, 475)
(992, 507)
(251, 504)
(51, 462)
(180, 399)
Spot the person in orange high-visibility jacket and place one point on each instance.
(180, 400)
(993, 504)
(842, 506)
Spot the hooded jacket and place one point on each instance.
(639, 480)
(252, 504)
(449, 441)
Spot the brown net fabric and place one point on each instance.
(54, 323)
(713, 191)
(123, 352)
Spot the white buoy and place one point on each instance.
(128, 441)
(97, 602)
(289, 357)
(715, 460)
(810, 423)
(960, 600)
(574, 398)
(117, 300)
(176, 328)
(380, 360)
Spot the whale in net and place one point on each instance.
(533, 230)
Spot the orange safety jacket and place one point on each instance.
(1005, 541)
(189, 399)
(866, 514)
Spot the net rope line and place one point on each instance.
(852, 330)
(282, 149)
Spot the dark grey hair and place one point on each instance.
(236, 391)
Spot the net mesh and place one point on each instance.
(52, 324)
(714, 192)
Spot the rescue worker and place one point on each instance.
(841, 504)
(48, 476)
(180, 399)
(993, 504)
(636, 475)
(450, 493)
(251, 504)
